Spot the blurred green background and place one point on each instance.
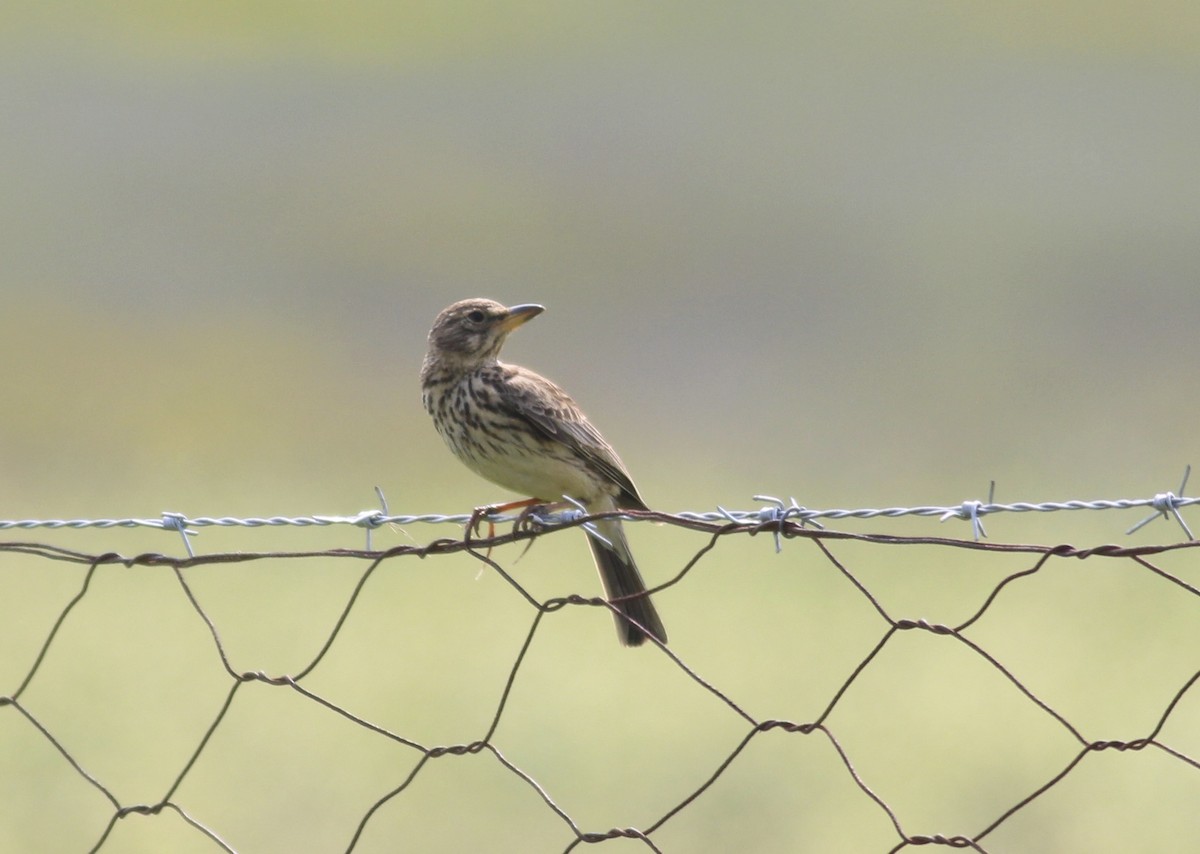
(859, 254)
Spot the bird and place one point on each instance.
(523, 432)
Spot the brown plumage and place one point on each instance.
(521, 431)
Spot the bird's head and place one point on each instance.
(473, 330)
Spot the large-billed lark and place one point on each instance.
(521, 431)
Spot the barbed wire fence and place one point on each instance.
(30, 722)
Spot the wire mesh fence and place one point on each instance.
(809, 703)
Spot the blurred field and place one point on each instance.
(863, 256)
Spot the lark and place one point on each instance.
(520, 431)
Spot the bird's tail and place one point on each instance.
(621, 579)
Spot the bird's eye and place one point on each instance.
(476, 316)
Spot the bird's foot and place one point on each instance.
(487, 511)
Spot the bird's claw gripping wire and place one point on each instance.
(488, 511)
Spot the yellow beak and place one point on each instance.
(518, 314)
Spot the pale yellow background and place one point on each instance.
(863, 254)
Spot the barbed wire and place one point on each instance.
(783, 520)
(1164, 504)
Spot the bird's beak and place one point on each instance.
(518, 314)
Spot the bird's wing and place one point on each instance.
(552, 412)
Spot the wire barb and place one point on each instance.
(1167, 504)
(578, 512)
(179, 522)
(777, 514)
(970, 510)
(372, 519)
